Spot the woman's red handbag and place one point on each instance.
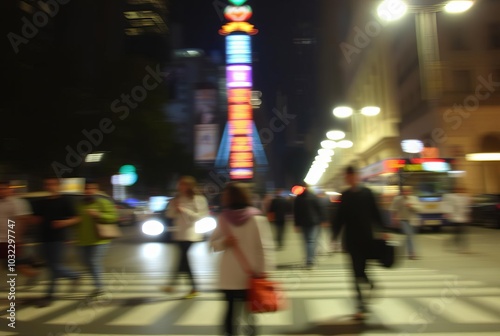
(263, 295)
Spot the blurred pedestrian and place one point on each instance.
(277, 215)
(356, 214)
(14, 216)
(242, 225)
(56, 213)
(94, 210)
(404, 209)
(308, 216)
(188, 207)
(457, 209)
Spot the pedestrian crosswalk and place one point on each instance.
(407, 301)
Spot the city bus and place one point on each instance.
(430, 179)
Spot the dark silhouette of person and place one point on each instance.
(356, 214)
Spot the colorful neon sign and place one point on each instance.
(232, 27)
(239, 76)
(239, 88)
(238, 49)
(237, 2)
(238, 13)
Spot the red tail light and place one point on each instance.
(498, 206)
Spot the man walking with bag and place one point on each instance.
(357, 213)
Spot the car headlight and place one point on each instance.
(205, 225)
(153, 228)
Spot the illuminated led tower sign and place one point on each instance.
(238, 33)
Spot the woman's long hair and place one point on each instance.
(236, 196)
(190, 181)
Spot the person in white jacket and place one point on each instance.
(242, 225)
(457, 210)
(185, 210)
(405, 209)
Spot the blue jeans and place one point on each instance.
(409, 232)
(310, 238)
(54, 254)
(92, 259)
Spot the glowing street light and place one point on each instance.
(483, 157)
(328, 144)
(342, 112)
(456, 7)
(345, 144)
(392, 10)
(321, 165)
(326, 152)
(370, 111)
(335, 135)
(320, 158)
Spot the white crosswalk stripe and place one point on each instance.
(406, 297)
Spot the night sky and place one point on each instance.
(74, 51)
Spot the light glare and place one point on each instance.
(392, 10)
(320, 158)
(326, 152)
(328, 144)
(483, 157)
(370, 111)
(335, 135)
(455, 7)
(345, 144)
(205, 225)
(152, 228)
(342, 112)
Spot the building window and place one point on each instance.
(462, 81)
(494, 35)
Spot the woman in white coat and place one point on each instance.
(185, 210)
(244, 226)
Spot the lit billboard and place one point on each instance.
(206, 142)
(239, 88)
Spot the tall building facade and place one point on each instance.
(384, 66)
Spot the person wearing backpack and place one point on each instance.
(241, 229)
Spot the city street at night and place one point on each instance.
(442, 293)
(153, 150)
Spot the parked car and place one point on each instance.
(486, 210)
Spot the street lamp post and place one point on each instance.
(344, 112)
(427, 36)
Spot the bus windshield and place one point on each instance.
(427, 185)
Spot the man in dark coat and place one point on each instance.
(308, 216)
(357, 213)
